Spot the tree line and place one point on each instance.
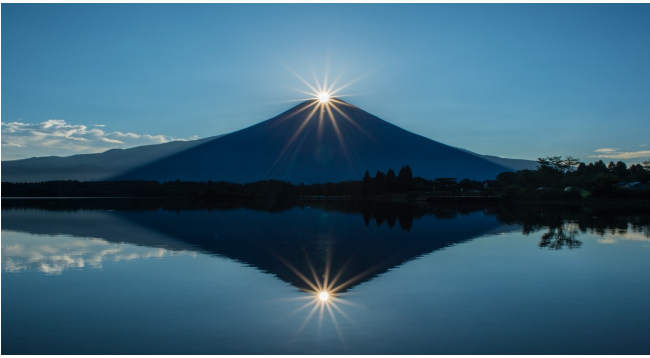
(568, 178)
(548, 182)
(387, 183)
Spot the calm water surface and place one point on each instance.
(123, 276)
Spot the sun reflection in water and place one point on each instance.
(324, 295)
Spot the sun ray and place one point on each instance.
(318, 85)
(337, 276)
(356, 278)
(320, 314)
(300, 298)
(300, 78)
(305, 92)
(338, 101)
(333, 85)
(314, 103)
(313, 272)
(307, 319)
(308, 304)
(336, 129)
(347, 95)
(338, 89)
(321, 116)
(336, 307)
(326, 276)
(293, 138)
(327, 72)
(349, 303)
(349, 119)
(291, 100)
(338, 329)
(299, 274)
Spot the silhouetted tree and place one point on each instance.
(556, 163)
(551, 163)
(405, 220)
(379, 183)
(582, 169)
(391, 181)
(646, 165)
(570, 162)
(551, 170)
(391, 216)
(636, 169)
(620, 169)
(405, 175)
(599, 167)
(560, 236)
(366, 184)
(405, 178)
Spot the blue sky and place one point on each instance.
(518, 81)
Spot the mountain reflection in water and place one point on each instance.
(317, 246)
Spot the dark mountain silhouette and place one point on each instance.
(87, 167)
(298, 148)
(514, 164)
(302, 145)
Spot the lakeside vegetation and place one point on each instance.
(558, 178)
(555, 179)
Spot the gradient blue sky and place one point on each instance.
(519, 81)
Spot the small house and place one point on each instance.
(490, 184)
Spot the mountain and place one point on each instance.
(90, 167)
(514, 164)
(309, 143)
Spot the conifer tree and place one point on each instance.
(405, 174)
(366, 184)
(391, 181)
(405, 178)
(379, 183)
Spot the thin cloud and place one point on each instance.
(108, 140)
(622, 155)
(607, 150)
(57, 137)
(9, 144)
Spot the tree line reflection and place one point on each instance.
(562, 223)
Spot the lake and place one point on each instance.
(125, 276)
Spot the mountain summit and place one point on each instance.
(310, 143)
